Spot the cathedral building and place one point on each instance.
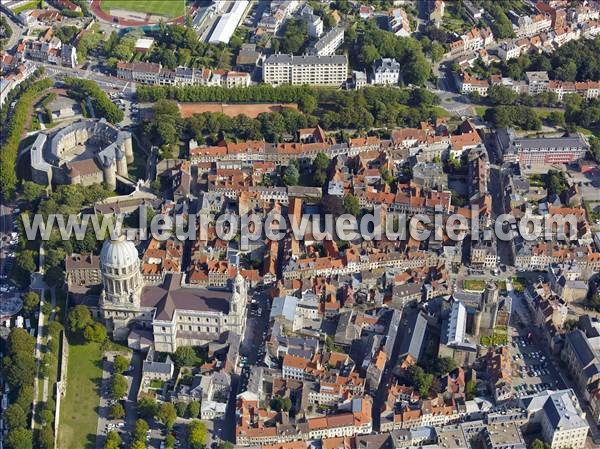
(176, 314)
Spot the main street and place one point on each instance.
(104, 81)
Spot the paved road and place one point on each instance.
(17, 32)
(134, 379)
(105, 81)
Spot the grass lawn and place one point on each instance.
(167, 8)
(440, 111)
(518, 284)
(501, 285)
(499, 337)
(545, 112)
(79, 415)
(27, 6)
(474, 284)
(480, 110)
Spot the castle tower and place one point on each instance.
(128, 148)
(121, 163)
(109, 173)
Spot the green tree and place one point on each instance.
(19, 340)
(147, 408)
(79, 318)
(369, 54)
(140, 430)
(20, 438)
(170, 441)
(193, 409)
(443, 365)
(31, 192)
(437, 51)
(556, 182)
(45, 438)
(181, 408)
(197, 433)
(557, 119)
(307, 103)
(294, 37)
(117, 411)
(113, 440)
(25, 397)
(225, 445)
(118, 386)
(539, 444)
(54, 328)
(470, 389)
(595, 148)
(291, 176)
(139, 444)
(120, 363)
(186, 356)
(95, 332)
(15, 416)
(351, 205)
(421, 380)
(498, 94)
(19, 369)
(167, 414)
(319, 169)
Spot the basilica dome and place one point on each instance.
(119, 253)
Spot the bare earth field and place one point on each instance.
(251, 110)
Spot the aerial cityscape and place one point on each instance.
(300, 224)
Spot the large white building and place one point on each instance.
(330, 42)
(329, 70)
(176, 314)
(562, 421)
(386, 71)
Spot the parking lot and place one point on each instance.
(533, 372)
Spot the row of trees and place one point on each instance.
(18, 369)
(83, 89)
(354, 110)
(14, 132)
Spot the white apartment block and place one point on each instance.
(312, 70)
(329, 43)
(530, 26)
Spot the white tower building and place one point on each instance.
(122, 282)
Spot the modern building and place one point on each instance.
(541, 151)
(228, 22)
(314, 70)
(386, 71)
(329, 43)
(177, 314)
(537, 82)
(531, 25)
(398, 22)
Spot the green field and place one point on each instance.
(474, 284)
(79, 414)
(166, 8)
